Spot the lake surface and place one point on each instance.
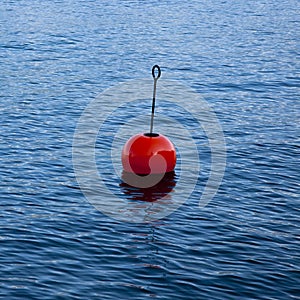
(242, 57)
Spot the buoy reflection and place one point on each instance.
(150, 194)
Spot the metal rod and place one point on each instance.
(154, 94)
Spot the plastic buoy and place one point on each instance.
(149, 153)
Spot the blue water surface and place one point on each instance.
(243, 57)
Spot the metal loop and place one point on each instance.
(153, 71)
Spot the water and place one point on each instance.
(243, 57)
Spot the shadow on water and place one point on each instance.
(150, 194)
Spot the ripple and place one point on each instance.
(56, 58)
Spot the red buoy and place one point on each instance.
(149, 153)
